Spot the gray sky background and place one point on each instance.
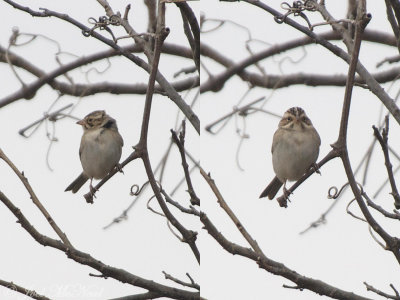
(341, 253)
(143, 244)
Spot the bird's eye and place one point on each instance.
(305, 119)
(90, 119)
(289, 119)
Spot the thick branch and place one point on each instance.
(144, 296)
(396, 7)
(392, 243)
(134, 155)
(189, 236)
(193, 36)
(371, 82)
(36, 201)
(344, 32)
(169, 90)
(282, 200)
(273, 81)
(392, 21)
(85, 259)
(81, 90)
(17, 288)
(277, 268)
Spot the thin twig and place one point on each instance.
(191, 211)
(282, 200)
(277, 268)
(88, 260)
(371, 82)
(35, 200)
(229, 212)
(180, 142)
(234, 111)
(51, 116)
(193, 36)
(380, 293)
(134, 155)
(143, 296)
(162, 32)
(392, 243)
(192, 284)
(380, 209)
(168, 89)
(383, 141)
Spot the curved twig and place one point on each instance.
(86, 259)
(169, 90)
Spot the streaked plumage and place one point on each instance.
(295, 148)
(100, 149)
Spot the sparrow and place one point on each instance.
(295, 149)
(100, 149)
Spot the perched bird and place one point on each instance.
(100, 149)
(295, 148)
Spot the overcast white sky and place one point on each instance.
(143, 244)
(341, 253)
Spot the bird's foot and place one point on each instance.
(93, 191)
(315, 168)
(286, 193)
(118, 166)
(283, 200)
(89, 196)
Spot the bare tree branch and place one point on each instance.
(345, 33)
(278, 81)
(392, 243)
(86, 259)
(191, 211)
(192, 284)
(383, 141)
(396, 8)
(17, 288)
(339, 147)
(380, 293)
(82, 90)
(144, 296)
(169, 90)
(277, 268)
(35, 200)
(229, 212)
(134, 155)
(189, 236)
(392, 21)
(180, 142)
(395, 215)
(193, 37)
(361, 70)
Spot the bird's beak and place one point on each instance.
(81, 122)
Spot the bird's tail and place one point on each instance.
(77, 183)
(272, 189)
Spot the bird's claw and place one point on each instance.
(315, 168)
(119, 168)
